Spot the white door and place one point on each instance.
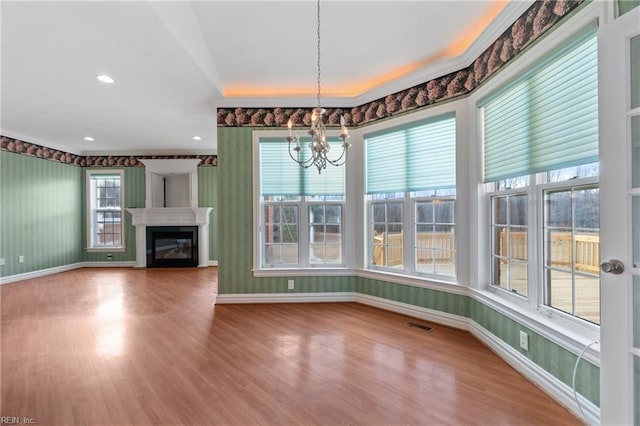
(619, 109)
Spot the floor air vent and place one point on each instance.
(418, 325)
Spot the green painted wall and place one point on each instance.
(625, 6)
(235, 224)
(450, 303)
(551, 357)
(208, 197)
(134, 194)
(40, 213)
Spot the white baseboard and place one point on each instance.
(126, 264)
(426, 314)
(542, 378)
(286, 297)
(44, 272)
(40, 273)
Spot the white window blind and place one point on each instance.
(548, 118)
(415, 157)
(280, 175)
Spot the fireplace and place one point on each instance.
(172, 246)
(172, 208)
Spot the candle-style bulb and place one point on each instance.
(289, 125)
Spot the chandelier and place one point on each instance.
(319, 145)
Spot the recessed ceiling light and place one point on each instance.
(105, 78)
(197, 138)
(89, 139)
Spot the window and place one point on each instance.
(541, 173)
(434, 242)
(325, 232)
(387, 237)
(281, 227)
(301, 211)
(571, 229)
(509, 242)
(105, 210)
(410, 185)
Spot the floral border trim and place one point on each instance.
(539, 18)
(39, 151)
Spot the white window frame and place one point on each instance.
(91, 246)
(510, 193)
(567, 331)
(304, 267)
(409, 202)
(312, 202)
(536, 283)
(457, 284)
(303, 204)
(541, 188)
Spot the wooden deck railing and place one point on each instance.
(388, 251)
(439, 245)
(560, 254)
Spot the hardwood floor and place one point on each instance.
(129, 346)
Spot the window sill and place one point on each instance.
(304, 272)
(105, 249)
(573, 338)
(430, 282)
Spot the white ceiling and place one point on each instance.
(176, 62)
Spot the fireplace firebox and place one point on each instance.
(172, 246)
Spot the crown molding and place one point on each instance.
(511, 12)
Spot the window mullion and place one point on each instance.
(303, 232)
(408, 235)
(573, 252)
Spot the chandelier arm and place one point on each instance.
(339, 161)
(306, 163)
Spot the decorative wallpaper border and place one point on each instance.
(538, 19)
(34, 150)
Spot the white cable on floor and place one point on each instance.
(575, 370)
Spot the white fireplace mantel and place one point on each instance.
(171, 216)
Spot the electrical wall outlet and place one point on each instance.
(21, 258)
(2, 262)
(109, 256)
(524, 340)
(290, 285)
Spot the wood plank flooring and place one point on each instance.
(138, 347)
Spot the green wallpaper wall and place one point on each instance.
(40, 213)
(208, 197)
(551, 357)
(235, 223)
(450, 303)
(625, 6)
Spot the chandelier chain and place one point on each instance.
(318, 154)
(318, 53)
